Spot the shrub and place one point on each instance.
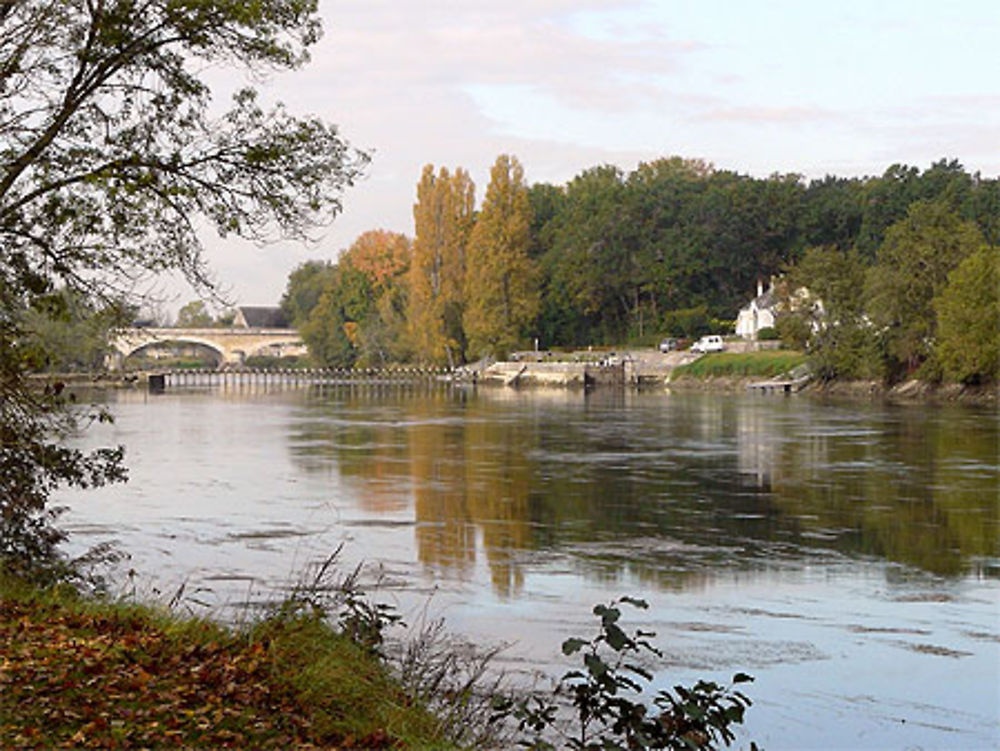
(607, 718)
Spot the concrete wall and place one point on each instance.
(564, 374)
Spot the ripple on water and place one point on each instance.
(930, 649)
(751, 654)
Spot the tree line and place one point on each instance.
(674, 247)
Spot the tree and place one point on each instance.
(501, 288)
(585, 300)
(911, 268)
(442, 218)
(383, 258)
(326, 332)
(63, 332)
(381, 255)
(304, 288)
(110, 162)
(968, 313)
(194, 315)
(831, 322)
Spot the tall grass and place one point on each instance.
(742, 365)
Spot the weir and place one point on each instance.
(160, 380)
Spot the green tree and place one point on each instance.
(501, 290)
(327, 332)
(911, 268)
(968, 313)
(64, 332)
(304, 288)
(585, 296)
(829, 318)
(111, 163)
(194, 315)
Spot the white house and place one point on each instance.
(760, 313)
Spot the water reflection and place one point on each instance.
(667, 489)
(829, 549)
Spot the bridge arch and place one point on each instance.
(232, 345)
(132, 348)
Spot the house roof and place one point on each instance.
(767, 300)
(263, 317)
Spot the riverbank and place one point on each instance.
(85, 673)
(730, 372)
(913, 392)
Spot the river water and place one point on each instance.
(846, 554)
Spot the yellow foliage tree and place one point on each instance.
(442, 218)
(501, 285)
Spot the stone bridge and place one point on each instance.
(233, 345)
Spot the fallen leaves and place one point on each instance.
(74, 679)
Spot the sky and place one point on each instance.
(755, 86)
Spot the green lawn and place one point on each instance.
(742, 365)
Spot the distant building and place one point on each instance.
(260, 317)
(760, 313)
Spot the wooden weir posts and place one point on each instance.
(294, 376)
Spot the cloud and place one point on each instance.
(767, 115)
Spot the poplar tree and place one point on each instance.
(501, 283)
(442, 217)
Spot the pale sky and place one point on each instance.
(755, 86)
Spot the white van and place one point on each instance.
(710, 343)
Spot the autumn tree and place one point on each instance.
(381, 255)
(501, 288)
(352, 312)
(113, 161)
(442, 218)
(383, 258)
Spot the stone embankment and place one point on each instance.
(639, 367)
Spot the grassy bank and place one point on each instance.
(92, 674)
(741, 365)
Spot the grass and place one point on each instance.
(742, 365)
(79, 672)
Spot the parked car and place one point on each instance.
(668, 345)
(710, 343)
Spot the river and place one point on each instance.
(846, 554)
